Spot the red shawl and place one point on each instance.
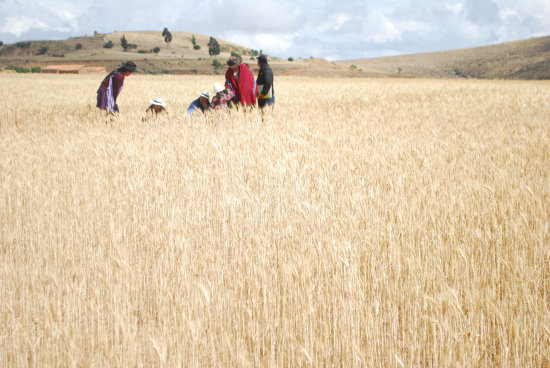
(245, 88)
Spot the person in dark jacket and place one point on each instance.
(112, 85)
(266, 96)
(200, 104)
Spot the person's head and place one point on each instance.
(158, 104)
(204, 98)
(234, 62)
(128, 68)
(218, 88)
(262, 60)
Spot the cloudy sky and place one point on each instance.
(336, 30)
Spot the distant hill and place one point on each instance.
(526, 59)
(178, 56)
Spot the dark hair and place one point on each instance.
(234, 60)
(262, 59)
(129, 66)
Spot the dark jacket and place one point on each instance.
(196, 105)
(265, 79)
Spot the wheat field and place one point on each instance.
(361, 223)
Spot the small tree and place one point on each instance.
(167, 36)
(193, 40)
(156, 50)
(108, 45)
(213, 47)
(123, 42)
(78, 46)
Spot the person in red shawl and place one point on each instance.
(240, 80)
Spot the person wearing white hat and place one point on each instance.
(157, 106)
(222, 98)
(202, 103)
(155, 110)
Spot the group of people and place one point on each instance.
(240, 89)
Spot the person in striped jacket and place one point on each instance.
(112, 85)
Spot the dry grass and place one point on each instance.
(377, 223)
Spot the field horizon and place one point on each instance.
(388, 223)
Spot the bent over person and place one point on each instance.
(222, 98)
(266, 95)
(112, 85)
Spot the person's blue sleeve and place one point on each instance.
(191, 108)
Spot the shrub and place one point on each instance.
(156, 50)
(78, 46)
(36, 69)
(291, 59)
(196, 47)
(108, 45)
(142, 51)
(18, 69)
(23, 45)
(43, 50)
(216, 64)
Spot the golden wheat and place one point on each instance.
(377, 223)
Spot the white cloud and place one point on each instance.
(325, 28)
(18, 26)
(385, 29)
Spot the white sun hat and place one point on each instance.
(158, 101)
(218, 88)
(205, 94)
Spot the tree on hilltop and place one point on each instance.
(124, 42)
(213, 47)
(167, 35)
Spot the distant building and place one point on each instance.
(95, 69)
(63, 69)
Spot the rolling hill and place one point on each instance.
(526, 59)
